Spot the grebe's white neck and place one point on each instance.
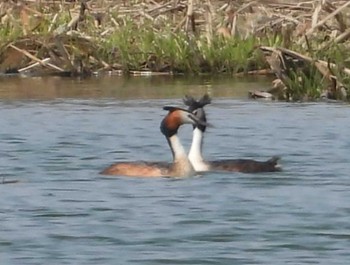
(182, 165)
(195, 154)
(176, 147)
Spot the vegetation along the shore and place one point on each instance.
(305, 44)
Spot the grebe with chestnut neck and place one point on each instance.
(232, 165)
(181, 165)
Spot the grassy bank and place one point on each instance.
(305, 44)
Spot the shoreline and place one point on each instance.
(303, 44)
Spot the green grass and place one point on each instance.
(178, 52)
(131, 47)
(305, 86)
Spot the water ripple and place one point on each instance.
(63, 212)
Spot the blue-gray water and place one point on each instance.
(63, 212)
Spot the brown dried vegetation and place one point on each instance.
(304, 43)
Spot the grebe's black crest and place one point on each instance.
(171, 108)
(196, 107)
(196, 104)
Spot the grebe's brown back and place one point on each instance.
(180, 167)
(233, 165)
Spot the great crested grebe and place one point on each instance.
(181, 166)
(233, 165)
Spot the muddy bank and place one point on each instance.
(70, 38)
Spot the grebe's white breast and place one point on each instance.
(182, 165)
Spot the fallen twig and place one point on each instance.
(36, 59)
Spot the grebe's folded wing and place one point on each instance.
(246, 165)
(138, 169)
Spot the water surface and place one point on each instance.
(63, 212)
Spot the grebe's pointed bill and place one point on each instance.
(198, 121)
(187, 116)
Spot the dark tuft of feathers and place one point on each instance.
(196, 104)
(171, 108)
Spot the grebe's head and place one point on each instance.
(175, 118)
(196, 107)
